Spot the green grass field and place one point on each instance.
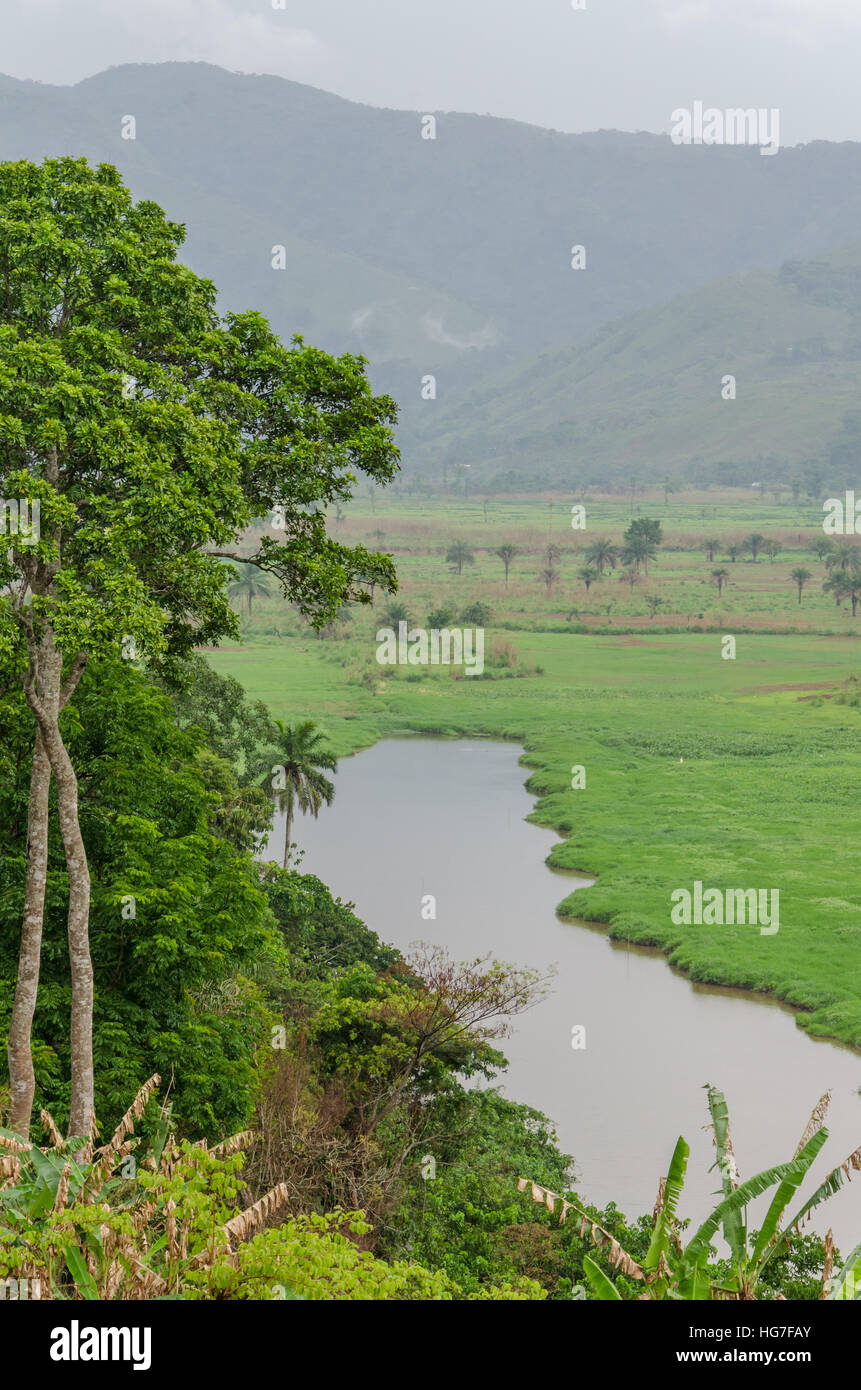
(738, 773)
(758, 595)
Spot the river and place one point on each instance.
(415, 817)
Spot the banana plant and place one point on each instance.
(846, 1283)
(750, 1260)
(672, 1271)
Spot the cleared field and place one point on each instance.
(680, 589)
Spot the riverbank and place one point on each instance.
(733, 773)
(429, 839)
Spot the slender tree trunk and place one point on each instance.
(82, 1098)
(287, 827)
(45, 698)
(22, 1076)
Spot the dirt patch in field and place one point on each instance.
(776, 689)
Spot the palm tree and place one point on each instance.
(844, 556)
(733, 551)
(845, 584)
(506, 553)
(460, 554)
(720, 577)
(602, 552)
(397, 612)
(293, 770)
(800, 577)
(710, 546)
(754, 544)
(588, 574)
(549, 577)
(772, 550)
(252, 585)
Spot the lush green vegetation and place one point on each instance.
(302, 1121)
(675, 740)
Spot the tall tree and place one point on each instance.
(458, 555)
(248, 587)
(639, 550)
(549, 577)
(799, 577)
(845, 584)
(507, 554)
(151, 432)
(294, 770)
(843, 557)
(642, 539)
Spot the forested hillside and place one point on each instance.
(755, 377)
(451, 256)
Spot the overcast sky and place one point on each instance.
(625, 64)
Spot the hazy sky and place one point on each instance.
(618, 63)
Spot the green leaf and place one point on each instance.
(601, 1285)
(734, 1229)
(781, 1197)
(666, 1218)
(698, 1246)
(839, 1280)
(84, 1281)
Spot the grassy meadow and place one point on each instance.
(740, 773)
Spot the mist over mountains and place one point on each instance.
(452, 257)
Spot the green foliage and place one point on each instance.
(153, 432)
(673, 1270)
(477, 614)
(172, 1225)
(443, 617)
(293, 768)
(180, 924)
(461, 1212)
(322, 934)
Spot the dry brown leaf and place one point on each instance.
(816, 1121)
(62, 1196)
(254, 1217)
(48, 1121)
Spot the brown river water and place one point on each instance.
(414, 817)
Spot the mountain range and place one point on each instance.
(451, 258)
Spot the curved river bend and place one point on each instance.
(418, 816)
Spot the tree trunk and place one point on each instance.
(287, 827)
(22, 1076)
(42, 688)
